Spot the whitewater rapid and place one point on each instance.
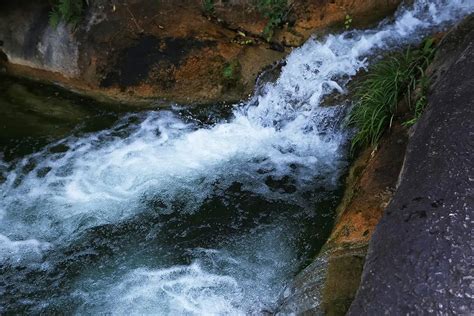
(52, 198)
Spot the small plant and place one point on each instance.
(386, 84)
(421, 86)
(420, 105)
(420, 99)
(348, 22)
(69, 11)
(243, 42)
(231, 70)
(276, 12)
(208, 6)
(242, 39)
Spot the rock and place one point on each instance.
(29, 41)
(147, 49)
(328, 285)
(3, 61)
(303, 295)
(420, 257)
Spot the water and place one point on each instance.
(179, 212)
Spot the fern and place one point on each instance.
(54, 18)
(69, 11)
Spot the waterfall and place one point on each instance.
(160, 165)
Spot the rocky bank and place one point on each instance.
(142, 50)
(420, 256)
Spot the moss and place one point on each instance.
(231, 74)
(342, 280)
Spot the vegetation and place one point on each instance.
(389, 81)
(231, 70)
(243, 42)
(420, 102)
(276, 12)
(208, 6)
(348, 22)
(69, 11)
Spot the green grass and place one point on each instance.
(420, 100)
(69, 11)
(387, 83)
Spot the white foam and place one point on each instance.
(242, 279)
(20, 252)
(179, 290)
(96, 183)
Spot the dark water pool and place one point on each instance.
(170, 211)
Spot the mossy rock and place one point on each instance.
(342, 280)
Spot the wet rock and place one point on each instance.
(29, 41)
(420, 257)
(3, 61)
(328, 285)
(136, 64)
(303, 295)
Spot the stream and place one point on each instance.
(182, 211)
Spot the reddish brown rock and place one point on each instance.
(139, 49)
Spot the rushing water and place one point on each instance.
(173, 212)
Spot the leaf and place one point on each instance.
(54, 18)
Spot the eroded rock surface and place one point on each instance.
(139, 49)
(420, 258)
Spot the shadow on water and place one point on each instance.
(103, 254)
(33, 114)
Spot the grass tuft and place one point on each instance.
(387, 83)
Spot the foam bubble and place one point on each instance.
(242, 278)
(22, 251)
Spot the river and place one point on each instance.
(182, 210)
